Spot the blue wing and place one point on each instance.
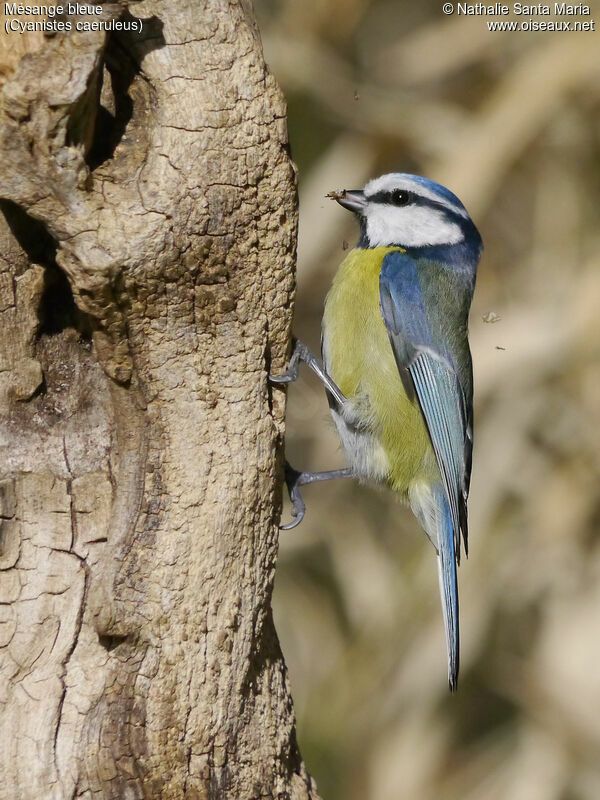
(429, 371)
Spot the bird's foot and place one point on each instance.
(295, 479)
(299, 353)
(302, 353)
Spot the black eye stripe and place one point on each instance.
(396, 197)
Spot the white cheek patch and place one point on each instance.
(413, 226)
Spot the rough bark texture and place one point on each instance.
(146, 274)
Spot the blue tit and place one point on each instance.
(397, 365)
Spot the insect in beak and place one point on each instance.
(353, 199)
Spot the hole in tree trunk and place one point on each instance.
(57, 310)
(115, 120)
(31, 235)
(110, 642)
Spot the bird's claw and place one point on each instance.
(298, 511)
(293, 483)
(300, 353)
(295, 479)
(290, 375)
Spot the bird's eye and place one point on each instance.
(400, 197)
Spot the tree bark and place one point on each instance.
(146, 282)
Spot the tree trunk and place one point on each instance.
(146, 281)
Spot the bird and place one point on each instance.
(397, 365)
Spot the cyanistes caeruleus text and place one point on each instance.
(397, 364)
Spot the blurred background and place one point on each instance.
(511, 123)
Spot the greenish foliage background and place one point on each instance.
(511, 123)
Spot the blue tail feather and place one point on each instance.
(448, 586)
(431, 507)
(448, 582)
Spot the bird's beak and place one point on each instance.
(353, 200)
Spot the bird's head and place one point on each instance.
(409, 211)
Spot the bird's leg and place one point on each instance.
(302, 353)
(294, 480)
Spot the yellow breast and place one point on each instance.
(360, 360)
